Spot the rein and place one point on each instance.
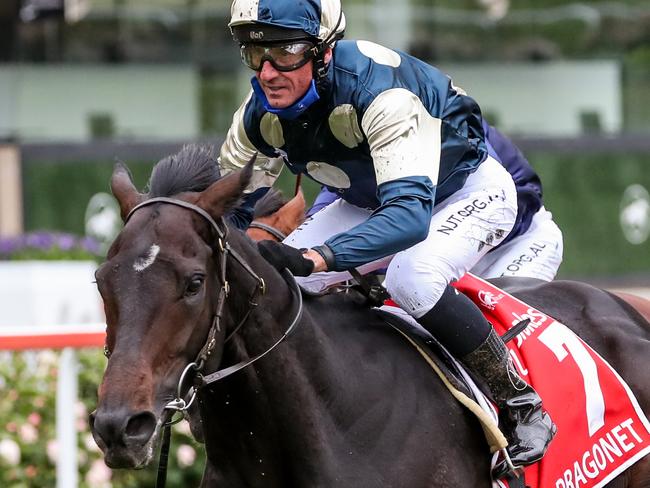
(195, 368)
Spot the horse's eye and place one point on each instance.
(194, 285)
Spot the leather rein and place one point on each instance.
(195, 368)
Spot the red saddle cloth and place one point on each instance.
(601, 428)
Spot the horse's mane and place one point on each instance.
(269, 203)
(192, 169)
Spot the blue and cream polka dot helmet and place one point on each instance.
(282, 20)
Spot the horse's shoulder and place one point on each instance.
(349, 316)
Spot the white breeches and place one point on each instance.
(463, 228)
(537, 253)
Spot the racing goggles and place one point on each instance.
(283, 57)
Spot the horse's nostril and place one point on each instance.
(140, 427)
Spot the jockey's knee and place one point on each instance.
(415, 286)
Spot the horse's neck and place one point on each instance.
(272, 410)
(336, 404)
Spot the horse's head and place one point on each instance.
(160, 285)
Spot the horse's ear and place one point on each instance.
(123, 189)
(298, 201)
(294, 209)
(226, 192)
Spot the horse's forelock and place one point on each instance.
(193, 169)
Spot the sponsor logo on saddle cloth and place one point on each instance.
(488, 299)
(601, 428)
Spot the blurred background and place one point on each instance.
(85, 82)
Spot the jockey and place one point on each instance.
(406, 151)
(533, 249)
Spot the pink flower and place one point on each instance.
(81, 425)
(81, 416)
(10, 452)
(34, 419)
(11, 427)
(80, 410)
(31, 471)
(99, 475)
(185, 455)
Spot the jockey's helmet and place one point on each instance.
(269, 21)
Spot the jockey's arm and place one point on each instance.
(405, 143)
(236, 151)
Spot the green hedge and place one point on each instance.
(583, 192)
(56, 193)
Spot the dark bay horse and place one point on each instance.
(343, 401)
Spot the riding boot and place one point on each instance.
(460, 326)
(528, 429)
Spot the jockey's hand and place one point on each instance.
(282, 256)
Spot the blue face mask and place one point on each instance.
(294, 110)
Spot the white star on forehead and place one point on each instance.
(143, 263)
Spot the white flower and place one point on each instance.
(90, 444)
(48, 357)
(99, 475)
(10, 451)
(28, 433)
(52, 450)
(45, 361)
(183, 428)
(185, 455)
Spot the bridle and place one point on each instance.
(195, 368)
(279, 235)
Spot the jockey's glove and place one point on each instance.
(282, 256)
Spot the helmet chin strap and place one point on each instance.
(320, 67)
